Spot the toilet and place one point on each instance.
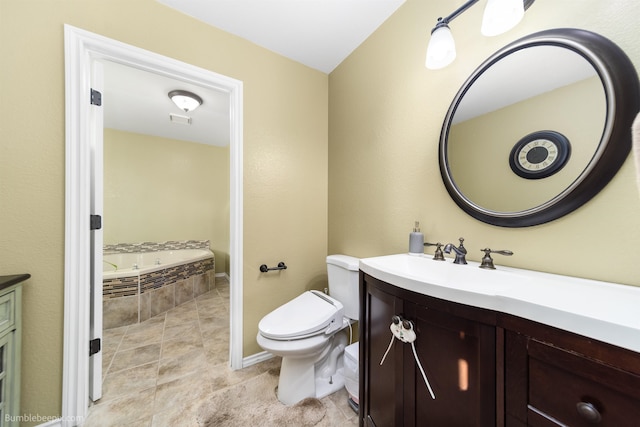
(311, 332)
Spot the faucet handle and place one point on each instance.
(437, 255)
(487, 261)
(461, 248)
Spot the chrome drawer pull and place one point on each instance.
(588, 412)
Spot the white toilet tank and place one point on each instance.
(342, 272)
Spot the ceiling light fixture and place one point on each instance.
(186, 101)
(499, 17)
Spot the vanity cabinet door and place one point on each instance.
(381, 402)
(456, 346)
(458, 357)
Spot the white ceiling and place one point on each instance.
(138, 101)
(316, 33)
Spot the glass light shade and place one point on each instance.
(500, 16)
(441, 50)
(186, 101)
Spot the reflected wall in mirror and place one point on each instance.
(566, 82)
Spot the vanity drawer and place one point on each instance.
(567, 389)
(7, 311)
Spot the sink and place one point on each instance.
(441, 279)
(600, 310)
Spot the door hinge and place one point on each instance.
(94, 346)
(96, 98)
(95, 222)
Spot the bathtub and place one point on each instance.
(138, 286)
(132, 264)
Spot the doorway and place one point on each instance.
(82, 51)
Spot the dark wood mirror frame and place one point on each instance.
(622, 91)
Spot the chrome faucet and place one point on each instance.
(460, 252)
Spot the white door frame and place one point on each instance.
(96, 126)
(82, 48)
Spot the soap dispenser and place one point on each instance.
(416, 241)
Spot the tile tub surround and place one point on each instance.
(129, 300)
(159, 372)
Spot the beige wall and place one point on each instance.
(159, 189)
(285, 162)
(385, 114)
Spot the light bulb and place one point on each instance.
(501, 15)
(441, 50)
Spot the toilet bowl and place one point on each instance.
(309, 333)
(351, 375)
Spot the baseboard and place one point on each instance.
(53, 423)
(256, 358)
(225, 275)
(60, 422)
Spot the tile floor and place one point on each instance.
(161, 370)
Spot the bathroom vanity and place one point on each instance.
(505, 347)
(10, 344)
(512, 347)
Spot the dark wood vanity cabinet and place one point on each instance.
(556, 378)
(455, 346)
(486, 368)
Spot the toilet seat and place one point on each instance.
(298, 348)
(308, 314)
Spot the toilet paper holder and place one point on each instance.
(281, 266)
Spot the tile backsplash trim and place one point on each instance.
(171, 245)
(127, 286)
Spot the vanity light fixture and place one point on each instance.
(499, 17)
(185, 100)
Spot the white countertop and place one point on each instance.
(607, 312)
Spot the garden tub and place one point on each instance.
(138, 286)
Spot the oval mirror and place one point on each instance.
(539, 128)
